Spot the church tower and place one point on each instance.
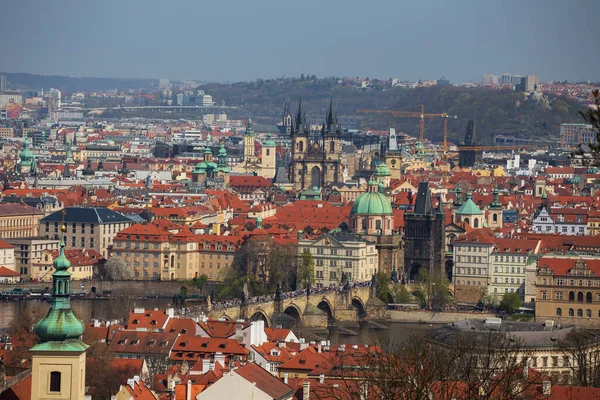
(249, 156)
(26, 156)
(495, 212)
(268, 157)
(288, 119)
(58, 360)
(332, 136)
(300, 133)
(393, 154)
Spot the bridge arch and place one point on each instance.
(359, 305)
(325, 306)
(293, 311)
(260, 315)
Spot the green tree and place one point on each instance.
(306, 269)
(115, 269)
(432, 289)
(200, 282)
(382, 287)
(511, 302)
(401, 294)
(489, 301)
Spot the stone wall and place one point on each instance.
(468, 294)
(430, 317)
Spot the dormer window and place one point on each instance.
(135, 322)
(122, 342)
(204, 345)
(184, 331)
(152, 343)
(183, 344)
(222, 345)
(135, 342)
(153, 322)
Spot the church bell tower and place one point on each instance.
(58, 360)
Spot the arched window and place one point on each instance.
(268, 152)
(378, 224)
(475, 223)
(60, 287)
(588, 297)
(495, 217)
(559, 312)
(580, 312)
(571, 296)
(571, 312)
(467, 221)
(300, 146)
(332, 147)
(580, 297)
(55, 381)
(588, 313)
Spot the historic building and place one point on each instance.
(424, 234)
(392, 155)
(87, 227)
(58, 360)
(19, 221)
(372, 219)
(316, 156)
(208, 174)
(568, 290)
(563, 221)
(337, 254)
(266, 164)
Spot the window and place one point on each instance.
(571, 312)
(588, 313)
(55, 381)
(559, 295)
(559, 312)
(580, 312)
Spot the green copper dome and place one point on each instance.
(249, 128)
(372, 203)
(222, 151)
(496, 202)
(207, 150)
(26, 154)
(60, 329)
(469, 208)
(200, 167)
(383, 170)
(269, 142)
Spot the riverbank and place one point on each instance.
(432, 317)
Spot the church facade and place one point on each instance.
(316, 155)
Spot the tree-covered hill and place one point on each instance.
(494, 110)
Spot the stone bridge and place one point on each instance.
(316, 310)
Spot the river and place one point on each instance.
(117, 309)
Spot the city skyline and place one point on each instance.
(240, 42)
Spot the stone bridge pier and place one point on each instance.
(318, 310)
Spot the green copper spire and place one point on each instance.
(60, 329)
(496, 202)
(249, 128)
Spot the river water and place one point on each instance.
(117, 309)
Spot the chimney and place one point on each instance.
(322, 378)
(171, 312)
(546, 388)
(306, 390)
(130, 382)
(319, 348)
(188, 392)
(205, 365)
(220, 358)
(285, 378)
(136, 378)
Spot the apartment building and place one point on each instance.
(7, 255)
(216, 253)
(472, 259)
(87, 227)
(19, 220)
(28, 252)
(83, 262)
(335, 255)
(568, 290)
(510, 260)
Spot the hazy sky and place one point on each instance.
(232, 40)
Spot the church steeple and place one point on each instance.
(300, 118)
(58, 360)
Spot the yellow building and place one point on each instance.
(19, 220)
(83, 262)
(568, 290)
(265, 165)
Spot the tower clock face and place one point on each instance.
(315, 146)
(393, 162)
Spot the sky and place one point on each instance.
(240, 40)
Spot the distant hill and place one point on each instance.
(494, 110)
(69, 84)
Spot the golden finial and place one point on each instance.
(63, 227)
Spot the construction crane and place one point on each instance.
(422, 116)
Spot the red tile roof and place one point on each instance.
(148, 319)
(8, 273)
(221, 329)
(277, 334)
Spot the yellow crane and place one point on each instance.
(422, 115)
